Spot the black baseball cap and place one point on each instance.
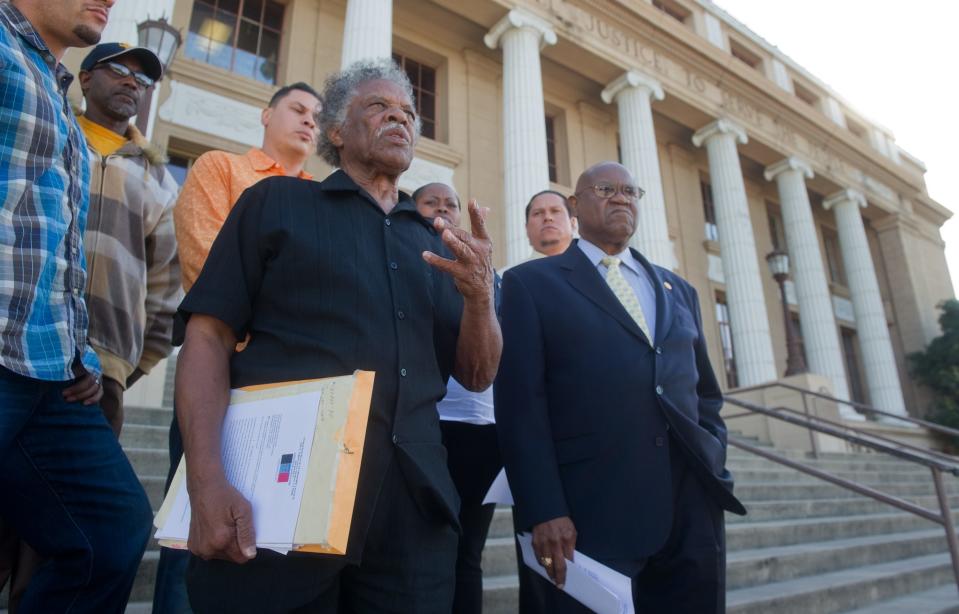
(110, 51)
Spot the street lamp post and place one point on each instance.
(163, 39)
(778, 262)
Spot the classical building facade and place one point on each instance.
(740, 151)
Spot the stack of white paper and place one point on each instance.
(599, 588)
(265, 447)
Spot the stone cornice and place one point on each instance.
(632, 79)
(792, 163)
(697, 73)
(719, 127)
(842, 196)
(519, 18)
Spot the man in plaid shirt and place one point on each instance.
(65, 485)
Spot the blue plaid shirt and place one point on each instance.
(44, 193)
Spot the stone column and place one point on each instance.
(632, 92)
(525, 163)
(749, 321)
(368, 31)
(817, 320)
(878, 360)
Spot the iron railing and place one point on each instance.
(937, 462)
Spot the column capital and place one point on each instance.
(792, 163)
(719, 127)
(518, 18)
(842, 196)
(631, 79)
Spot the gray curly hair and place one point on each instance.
(339, 91)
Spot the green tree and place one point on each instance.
(937, 368)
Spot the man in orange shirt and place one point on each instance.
(217, 178)
(212, 187)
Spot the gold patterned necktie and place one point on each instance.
(622, 290)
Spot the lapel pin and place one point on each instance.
(667, 285)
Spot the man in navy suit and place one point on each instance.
(607, 411)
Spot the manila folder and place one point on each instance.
(329, 495)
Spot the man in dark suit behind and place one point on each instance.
(608, 413)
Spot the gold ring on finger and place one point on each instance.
(546, 561)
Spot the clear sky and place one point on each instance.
(893, 61)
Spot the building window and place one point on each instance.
(853, 369)
(242, 36)
(551, 148)
(423, 78)
(744, 55)
(777, 233)
(726, 340)
(805, 94)
(675, 10)
(179, 166)
(709, 211)
(837, 273)
(856, 128)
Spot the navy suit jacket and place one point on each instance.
(587, 408)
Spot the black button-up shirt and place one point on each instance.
(326, 283)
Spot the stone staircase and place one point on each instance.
(806, 546)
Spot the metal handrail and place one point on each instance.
(936, 462)
(862, 407)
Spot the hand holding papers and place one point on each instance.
(293, 450)
(593, 584)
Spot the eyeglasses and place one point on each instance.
(122, 71)
(608, 190)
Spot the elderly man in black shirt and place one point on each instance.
(326, 278)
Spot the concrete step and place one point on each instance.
(940, 600)
(751, 535)
(148, 415)
(139, 607)
(154, 437)
(146, 576)
(816, 508)
(153, 485)
(149, 462)
(751, 567)
(775, 473)
(846, 589)
(792, 490)
(808, 541)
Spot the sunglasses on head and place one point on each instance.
(122, 71)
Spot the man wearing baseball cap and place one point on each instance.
(133, 282)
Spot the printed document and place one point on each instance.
(266, 447)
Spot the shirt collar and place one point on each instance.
(596, 255)
(339, 181)
(262, 162)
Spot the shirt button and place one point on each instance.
(388, 222)
(659, 442)
(659, 350)
(403, 372)
(659, 390)
(394, 266)
(400, 315)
